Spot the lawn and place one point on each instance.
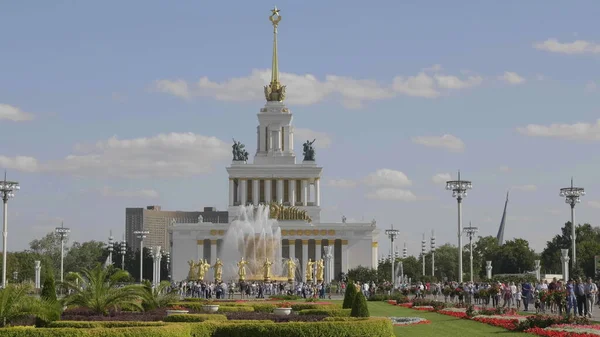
(441, 325)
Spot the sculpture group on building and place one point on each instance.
(239, 151)
(308, 150)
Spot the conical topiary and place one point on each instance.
(359, 307)
(49, 288)
(349, 295)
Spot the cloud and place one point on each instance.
(164, 155)
(387, 178)
(110, 192)
(594, 203)
(525, 188)
(448, 142)
(341, 183)
(504, 168)
(577, 131)
(19, 163)
(391, 194)
(575, 47)
(441, 178)
(14, 114)
(323, 139)
(591, 86)
(511, 77)
(308, 89)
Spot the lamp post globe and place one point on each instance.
(471, 231)
(459, 190)
(572, 197)
(62, 232)
(7, 191)
(141, 234)
(392, 234)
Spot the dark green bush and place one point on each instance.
(306, 306)
(195, 318)
(326, 312)
(49, 288)
(359, 307)
(344, 319)
(224, 309)
(285, 297)
(263, 307)
(349, 296)
(172, 330)
(197, 307)
(102, 324)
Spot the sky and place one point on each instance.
(112, 104)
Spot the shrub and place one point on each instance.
(326, 312)
(92, 325)
(544, 321)
(49, 288)
(305, 306)
(349, 296)
(260, 307)
(398, 297)
(195, 318)
(359, 307)
(235, 309)
(83, 314)
(254, 316)
(344, 319)
(284, 297)
(173, 330)
(197, 307)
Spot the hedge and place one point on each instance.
(102, 324)
(326, 312)
(222, 308)
(195, 318)
(306, 306)
(173, 330)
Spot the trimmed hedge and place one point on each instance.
(101, 324)
(307, 306)
(197, 307)
(195, 318)
(326, 312)
(349, 295)
(235, 309)
(260, 307)
(345, 319)
(359, 307)
(172, 330)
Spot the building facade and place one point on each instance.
(157, 222)
(276, 176)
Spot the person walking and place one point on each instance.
(590, 296)
(571, 298)
(580, 295)
(527, 293)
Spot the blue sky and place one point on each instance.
(379, 83)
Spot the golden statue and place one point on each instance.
(280, 212)
(291, 269)
(218, 271)
(201, 270)
(320, 268)
(206, 266)
(309, 270)
(267, 269)
(242, 269)
(192, 273)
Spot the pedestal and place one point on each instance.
(488, 269)
(538, 268)
(38, 269)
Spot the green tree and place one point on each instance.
(349, 295)
(85, 255)
(359, 306)
(16, 304)
(588, 246)
(49, 288)
(158, 297)
(363, 274)
(98, 290)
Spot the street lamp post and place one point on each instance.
(432, 253)
(123, 252)
(110, 247)
(7, 190)
(459, 191)
(471, 231)
(168, 255)
(572, 197)
(404, 251)
(392, 234)
(423, 251)
(63, 232)
(141, 235)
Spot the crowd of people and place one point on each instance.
(243, 290)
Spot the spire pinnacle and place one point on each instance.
(275, 91)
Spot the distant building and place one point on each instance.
(157, 222)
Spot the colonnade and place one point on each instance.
(290, 192)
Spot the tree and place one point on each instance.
(85, 255)
(49, 247)
(363, 274)
(588, 246)
(159, 297)
(49, 289)
(98, 290)
(514, 257)
(16, 304)
(349, 295)
(359, 306)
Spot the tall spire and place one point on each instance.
(275, 91)
(500, 236)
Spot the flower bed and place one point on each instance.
(406, 305)
(567, 330)
(424, 308)
(454, 312)
(503, 321)
(401, 321)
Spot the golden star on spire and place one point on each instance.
(275, 11)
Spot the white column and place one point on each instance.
(564, 258)
(345, 256)
(304, 192)
(537, 267)
(304, 258)
(200, 253)
(213, 251)
(243, 191)
(292, 243)
(280, 191)
(292, 192)
(278, 140)
(268, 188)
(231, 192)
(308, 193)
(317, 192)
(38, 269)
(488, 269)
(286, 138)
(255, 191)
(318, 249)
(291, 138)
(374, 254)
(269, 135)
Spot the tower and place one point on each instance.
(274, 175)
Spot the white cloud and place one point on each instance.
(504, 169)
(511, 77)
(591, 86)
(145, 193)
(594, 203)
(392, 194)
(14, 114)
(323, 139)
(341, 183)
(575, 47)
(441, 178)
(19, 163)
(577, 131)
(525, 188)
(308, 89)
(164, 155)
(448, 142)
(387, 178)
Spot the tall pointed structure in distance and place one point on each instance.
(275, 92)
(500, 236)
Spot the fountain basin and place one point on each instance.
(282, 311)
(210, 308)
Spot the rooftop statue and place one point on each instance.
(239, 151)
(309, 151)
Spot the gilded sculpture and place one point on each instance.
(192, 272)
(242, 269)
(291, 270)
(280, 212)
(201, 271)
(309, 270)
(218, 270)
(275, 92)
(206, 266)
(267, 269)
(320, 269)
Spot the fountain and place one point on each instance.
(255, 237)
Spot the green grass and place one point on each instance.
(441, 325)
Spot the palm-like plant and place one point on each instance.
(159, 296)
(16, 303)
(98, 290)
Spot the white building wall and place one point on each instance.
(184, 249)
(360, 253)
